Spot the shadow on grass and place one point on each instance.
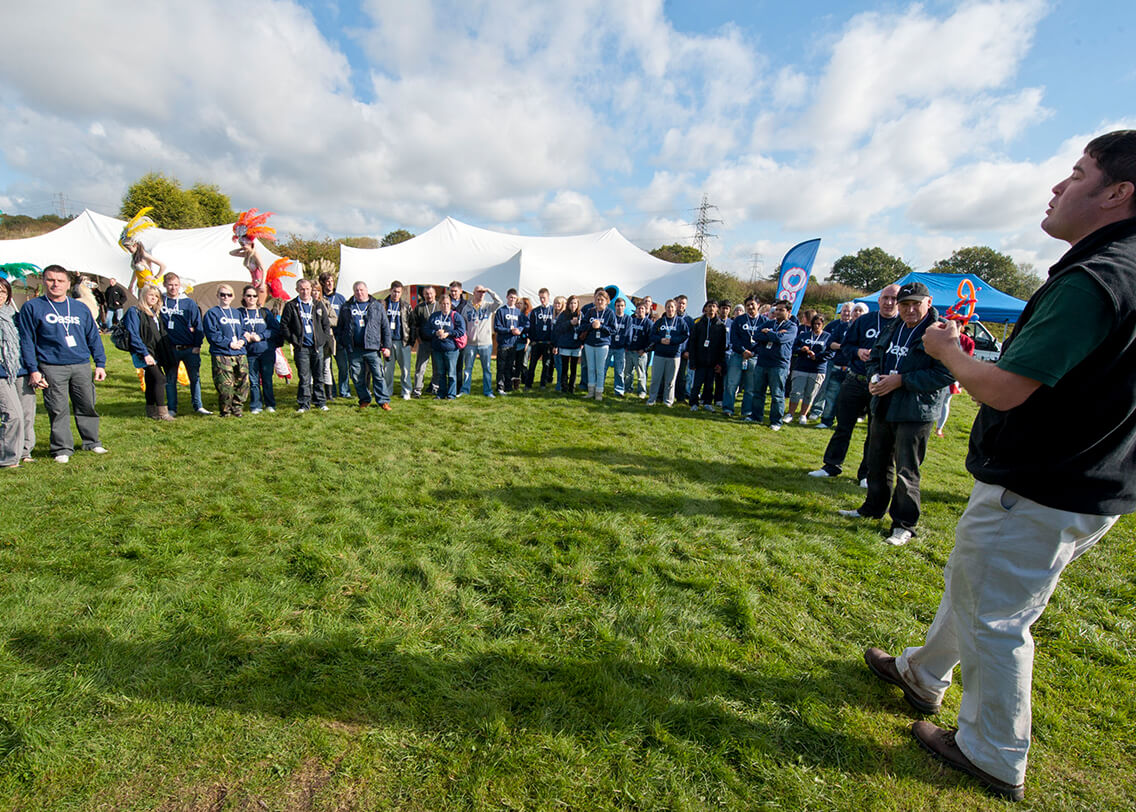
(790, 718)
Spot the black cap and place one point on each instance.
(912, 290)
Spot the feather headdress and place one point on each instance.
(274, 277)
(137, 224)
(251, 226)
(18, 270)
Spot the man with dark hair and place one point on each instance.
(58, 340)
(186, 332)
(683, 379)
(115, 299)
(540, 342)
(425, 308)
(508, 324)
(365, 332)
(1041, 497)
(460, 305)
(400, 319)
(907, 387)
(338, 386)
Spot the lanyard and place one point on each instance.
(67, 321)
(233, 322)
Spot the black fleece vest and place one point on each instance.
(1072, 446)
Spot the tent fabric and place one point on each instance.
(565, 265)
(89, 244)
(993, 305)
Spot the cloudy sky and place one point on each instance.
(920, 128)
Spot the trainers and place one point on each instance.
(406, 396)
(775, 427)
(386, 407)
(62, 458)
(202, 410)
(323, 408)
(899, 537)
(864, 482)
(824, 425)
(852, 514)
(255, 411)
(804, 421)
(491, 395)
(98, 450)
(301, 409)
(709, 407)
(786, 419)
(694, 408)
(883, 666)
(271, 410)
(820, 472)
(748, 420)
(940, 743)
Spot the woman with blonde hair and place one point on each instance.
(150, 348)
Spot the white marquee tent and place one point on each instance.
(89, 244)
(564, 265)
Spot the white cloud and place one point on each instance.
(571, 213)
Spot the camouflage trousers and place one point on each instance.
(231, 377)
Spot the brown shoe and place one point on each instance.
(940, 743)
(883, 666)
(386, 407)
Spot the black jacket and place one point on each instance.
(703, 354)
(293, 323)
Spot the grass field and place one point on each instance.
(527, 603)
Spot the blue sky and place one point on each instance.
(920, 128)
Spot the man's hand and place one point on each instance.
(100, 374)
(886, 384)
(863, 355)
(940, 339)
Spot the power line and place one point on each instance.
(702, 225)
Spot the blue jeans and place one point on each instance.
(773, 379)
(342, 371)
(735, 377)
(597, 366)
(446, 368)
(261, 368)
(193, 368)
(622, 358)
(364, 364)
(483, 353)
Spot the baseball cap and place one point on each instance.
(912, 290)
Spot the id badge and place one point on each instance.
(308, 329)
(70, 340)
(170, 324)
(706, 343)
(769, 345)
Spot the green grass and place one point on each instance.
(527, 603)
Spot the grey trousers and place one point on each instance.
(70, 385)
(28, 405)
(11, 422)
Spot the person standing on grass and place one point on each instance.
(667, 338)
(183, 324)
(854, 396)
(479, 339)
(907, 387)
(638, 347)
(508, 324)
(11, 410)
(400, 321)
(824, 405)
(811, 355)
(335, 385)
(307, 327)
(460, 305)
(683, 376)
(568, 344)
(365, 332)
(422, 312)
(446, 326)
(1041, 497)
(621, 355)
(595, 330)
(740, 367)
(707, 349)
(58, 340)
(261, 331)
(541, 320)
(775, 337)
(225, 331)
(150, 348)
(115, 299)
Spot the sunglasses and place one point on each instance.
(224, 295)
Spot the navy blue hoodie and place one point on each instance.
(183, 321)
(45, 327)
(673, 328)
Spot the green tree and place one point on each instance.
(994, 267)
(395, 237)
(676, 252)
(174, 207)
(870, 269)
(214, 205)
(362, 242)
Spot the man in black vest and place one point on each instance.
(1042, 497)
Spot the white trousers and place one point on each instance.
(1008, 556)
